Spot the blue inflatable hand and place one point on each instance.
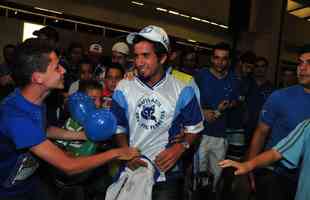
(100, 125)
(80, 106)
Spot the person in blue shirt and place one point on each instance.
(23, 137)
(281, 113)
(292, 151)
(219, 91)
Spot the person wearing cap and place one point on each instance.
(120, 53)
(95, 55)
(152, 109)
(48, 33)
(283, 110)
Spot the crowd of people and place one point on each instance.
(174, 122)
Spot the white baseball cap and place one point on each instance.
(121, 47)
(153, 33)
(96, 48)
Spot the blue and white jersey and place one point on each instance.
(154, 116)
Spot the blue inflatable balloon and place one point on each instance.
(80, 106)
(100, 125)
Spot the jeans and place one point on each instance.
(170, 190)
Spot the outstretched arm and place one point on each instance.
(263, 159)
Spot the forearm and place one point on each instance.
(264, 159)
(72, 165)
(54, 132)
(258, 140)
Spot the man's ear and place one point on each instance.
(37, 77)
(163, 59)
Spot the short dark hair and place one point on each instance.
(304, 49)
(159, 48)
(248, 57)
(221, 46)
(30, 56)
(85, 61)
(75, 45)
(115, 66)
(9, 46)
(262, 59)
(85, 85)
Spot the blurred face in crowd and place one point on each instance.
(190, 60)
(260, 69)
(220, 61)
(86, 71)
(94, 57)
(53, 77)
(119, 58)
(96, 95)
(76, 55)
(8, 54)
(303, 70)
(247, 68)
(148, 64)
(113, 77)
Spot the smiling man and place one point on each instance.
(23, 138)
(152, 109)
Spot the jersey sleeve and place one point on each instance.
(24, 132)
(270, 110)
(292, 147)
(189, 110)
(120, 110)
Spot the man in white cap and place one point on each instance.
(152, 109)
(120, 53)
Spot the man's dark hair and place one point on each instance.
(258, 59)
(159, 48)
(221, 46)
(30, 56)
(115, 66)
(75, 45)
(85, 85)
(248, 57)
(304, 49)
(85, 61)
(9, 46)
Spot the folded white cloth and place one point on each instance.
(137, 184)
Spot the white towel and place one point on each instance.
(137, 184)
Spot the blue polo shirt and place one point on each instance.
(213, 91)
(283, 110)
(22, 126)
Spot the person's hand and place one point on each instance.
(168, 157)
(127, 153)
(223, 105)
(241, 168)
(210, 115)
(136, 163)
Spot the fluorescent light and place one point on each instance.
(161, 9)
(196, 18)
(190, 40)
(223, 26)
(48, 10)
(173, 12)
(186, 16)
(137, 3)
(205, 21)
